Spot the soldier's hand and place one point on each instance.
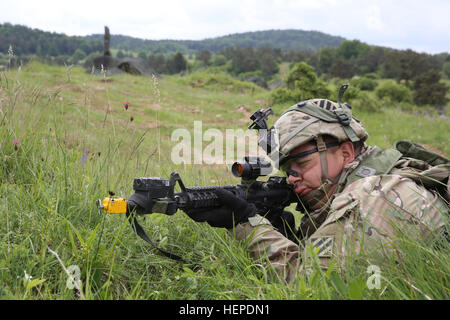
(232, 211)
(139, 202)
(284, 223)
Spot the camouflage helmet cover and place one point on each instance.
(305, 121)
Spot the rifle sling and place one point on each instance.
(141, 233)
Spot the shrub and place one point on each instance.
(301, 77)
(78, 55)
(372, 75)
(302, 83)
(364, 83)
(282, 95)
(429, 90)
(365, 101)
(395, 92)
(446, 69)
(219, 60)
(350, 94)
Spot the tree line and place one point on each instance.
(416, 76)
(283, 39)
(351, 58)
(27, 41)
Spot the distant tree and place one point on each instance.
(177, 64)
(28, 41)
(157, 62)
(294, 56)
(304, 82)
(142, 55)
(408, 64)
(267, 61)
(78, 55)
(446, 69)
(391, 67)
(39, 50)
(53, 49)
(243, 60)
(429, 90)
(219, 60)
(228, 52)
(326, 57)
(412, 64)
(120, 54)
(342, 68)
(313, 61)
(371, 61)
(204, 56)
(352, 49)
(360, 57)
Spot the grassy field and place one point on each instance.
(67, 140)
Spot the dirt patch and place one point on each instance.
(262, 103)
(154, 105)
(189, 109)
(152, 124)
(197, 84)
(245, 111)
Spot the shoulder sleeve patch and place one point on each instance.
(365, 172)
(324, 244)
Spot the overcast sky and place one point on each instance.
(423, 26)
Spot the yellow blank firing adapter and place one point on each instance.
(113, 205)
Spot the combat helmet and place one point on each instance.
(307, 122)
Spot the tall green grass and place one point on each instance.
(68, 156)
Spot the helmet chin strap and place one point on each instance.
(320, 195)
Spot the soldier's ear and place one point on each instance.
(348, 152)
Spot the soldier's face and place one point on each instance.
(309, 168)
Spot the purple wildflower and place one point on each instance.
(83, 157)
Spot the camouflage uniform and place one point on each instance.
(364, 216)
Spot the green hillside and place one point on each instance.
(25, 41)
(281, 39)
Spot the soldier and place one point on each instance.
(356, 198)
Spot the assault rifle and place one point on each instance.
(157, 195)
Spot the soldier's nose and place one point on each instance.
(293, 176)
